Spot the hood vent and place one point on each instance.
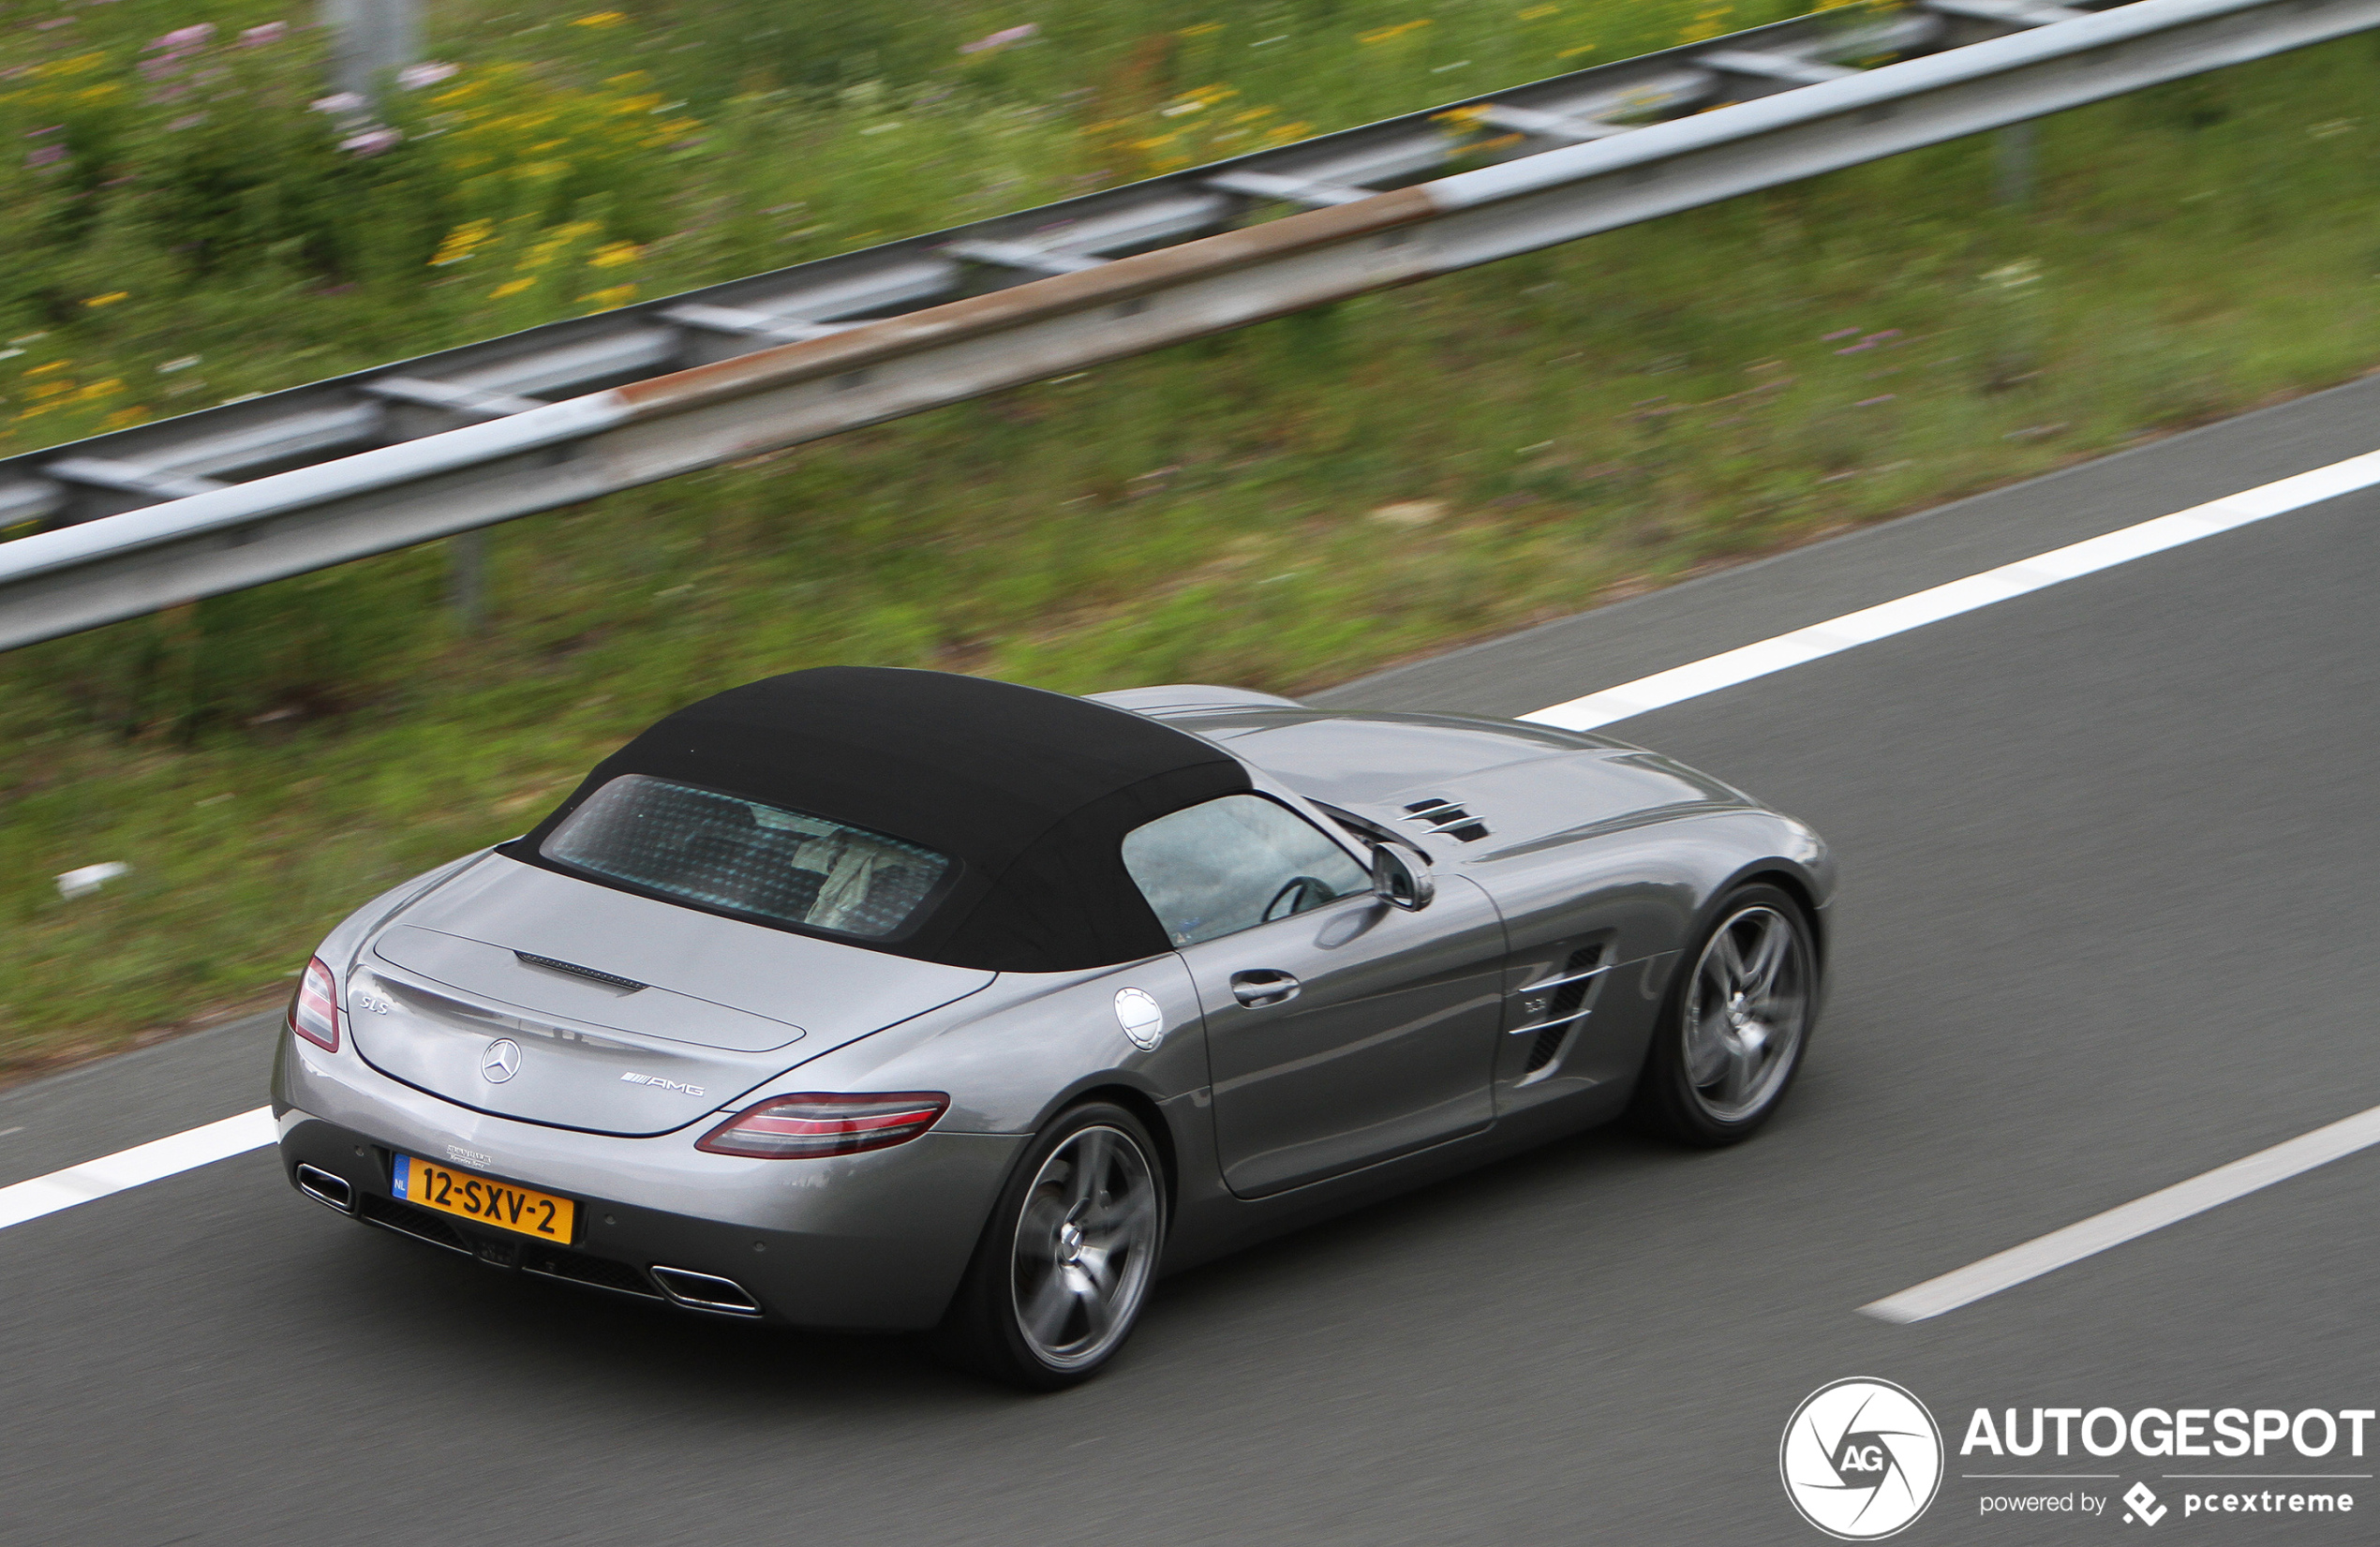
(1438, 814)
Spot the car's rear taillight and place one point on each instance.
(794, 1126)
(314, 1009)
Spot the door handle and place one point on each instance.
(1263, 987)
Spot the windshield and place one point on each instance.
(738, 855)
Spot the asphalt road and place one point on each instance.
(2109, 898)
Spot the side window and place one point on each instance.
(1231, 863)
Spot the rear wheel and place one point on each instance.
(1735, 1023)
(1065, 1262)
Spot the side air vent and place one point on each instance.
(572, 967)
(1438, 814)
(1578, 980)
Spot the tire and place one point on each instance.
(1066, 1260)
(1735, 1024)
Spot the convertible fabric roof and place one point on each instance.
(1030, 792)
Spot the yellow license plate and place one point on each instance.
(499, 1203)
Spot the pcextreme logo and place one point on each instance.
(1861, 1459)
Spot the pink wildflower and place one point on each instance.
(1002, 38)
(270, 32)
(186, 37)
(45, 156)
(371, 142)
(339, 101)
(414, 76)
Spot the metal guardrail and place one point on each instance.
(808, 352)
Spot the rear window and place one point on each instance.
(724, 852)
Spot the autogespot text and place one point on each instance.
(2225, 1431)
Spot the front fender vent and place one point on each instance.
(1438, 814)
(1567, 1009)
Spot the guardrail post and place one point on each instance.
(466, 578)
(2013, 165)
(372, 38)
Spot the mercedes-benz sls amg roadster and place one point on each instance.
(868, 998)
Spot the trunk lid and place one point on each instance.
(629, 1015)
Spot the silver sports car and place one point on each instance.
(861, 998)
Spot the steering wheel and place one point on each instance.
(1294, 891)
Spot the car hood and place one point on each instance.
(1488, 786)
(626, 1015)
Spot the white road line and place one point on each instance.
(150, 1162)
(253, 1130)
(2160, 1209)
(1915, 610)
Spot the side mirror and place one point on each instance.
(1400, 879)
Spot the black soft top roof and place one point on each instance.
(1030, 792)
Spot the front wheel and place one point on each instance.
(1735, 1024)
(1067, 1260)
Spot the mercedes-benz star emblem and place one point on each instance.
(500, 1061)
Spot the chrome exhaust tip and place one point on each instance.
(331, 1192)
(705, 1291)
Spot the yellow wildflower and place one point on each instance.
(52, 389)
(46, 368)
(1708, 23)
(1538, 13)
(109, 299)
(1202, 30)
(601, 19)
(98, 388)
(606, 298)
(1573, 53)
(1384, 34)
(463, 241)
(511, 286)
(611, 255)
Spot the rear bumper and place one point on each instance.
(865, 1241)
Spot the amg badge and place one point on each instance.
(660, 1084)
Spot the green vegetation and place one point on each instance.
(1282, 508)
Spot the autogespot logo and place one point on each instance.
(1861, 1459)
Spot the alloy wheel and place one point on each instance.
(1748, 1010)
(1086, 1243)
